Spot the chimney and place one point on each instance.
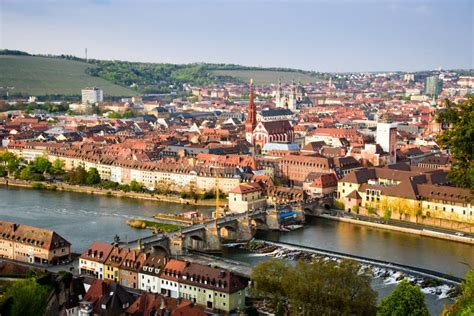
(104, 287)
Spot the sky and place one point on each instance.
(319, 35)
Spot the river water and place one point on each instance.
(83, 218)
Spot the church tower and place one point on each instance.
(292, 97)
(251, 116)
(279, 96)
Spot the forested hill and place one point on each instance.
(37, 75)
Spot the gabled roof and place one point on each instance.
(274, 127)
(32, 236)
(275, 112)
(98, 252)
(245, 188)
(212, 278)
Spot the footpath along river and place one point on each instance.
(83, 218)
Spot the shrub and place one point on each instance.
(38, 185)
(339, 205)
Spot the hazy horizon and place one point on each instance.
(338, 36)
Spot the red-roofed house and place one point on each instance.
(246, 196)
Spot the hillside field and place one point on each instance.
(36, 76)
(266, 76)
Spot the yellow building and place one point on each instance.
(113, 263)
(213, 288)
(411, 194)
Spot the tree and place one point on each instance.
(405, 300)
(41, 164)
(464, 305)
(57, 167)
(26, 173)
(92, 177)
(114, 115)
(267, 278)
(3, 171)
(316, 288)
(76, 176)
(458, 139)
(136, 187)
(28, 297)
(10, 160)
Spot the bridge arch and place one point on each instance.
(227, 232)
(159, 250)
(258, 222)
(196, 237)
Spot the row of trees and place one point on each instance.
(36, 170)
(325, 287)
(91, 177)
(42, 169)
(30, 107)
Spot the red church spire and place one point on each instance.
(251, 112)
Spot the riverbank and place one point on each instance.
(413, 231)
(60, 186)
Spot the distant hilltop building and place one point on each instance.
(296, 99)
(433, 86)
(92, 95)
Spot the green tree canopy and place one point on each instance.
(405, 300)
(268, 278)
(92, 177)
(10, 160)
(136, 187)
(464, 306)
(316, 288)
(57, 167)
(41, 164)
(28, 297)
(76, 176)
(27, 173)
(459, 140)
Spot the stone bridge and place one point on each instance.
(315, 206)
(208, 236)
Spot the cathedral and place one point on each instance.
(258, 133)
(296, 99)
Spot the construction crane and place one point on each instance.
(216, 212)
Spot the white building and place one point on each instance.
(91, 262)
(386, 137)
(148, 276)
(245, 197)
(92, 95)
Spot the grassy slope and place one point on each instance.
(266, 76)
(43, 76)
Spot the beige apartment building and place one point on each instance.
(32, 244)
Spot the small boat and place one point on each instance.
(294, 227)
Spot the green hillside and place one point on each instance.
(31, 75)
(266, 76)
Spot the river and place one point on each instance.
(83, 218)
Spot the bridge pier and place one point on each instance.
(272, 220)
